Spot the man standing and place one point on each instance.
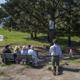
(56, 54)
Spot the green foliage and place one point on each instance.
(33, 15)
(2, 14)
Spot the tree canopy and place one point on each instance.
(33, 15)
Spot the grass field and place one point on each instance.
(20, 38)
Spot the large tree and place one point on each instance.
(32, 15)
(70, 17)
(2, 15)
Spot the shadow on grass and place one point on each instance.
(37, 67)
(71, 69)
(65, 42)
(61, 41)
(72, 58)
(40, 39)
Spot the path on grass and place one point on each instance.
(20, 72)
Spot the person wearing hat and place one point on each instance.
(56, 55)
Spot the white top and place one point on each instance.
(24, 52)
(33, 53)
(70, 51)
(55, 50)
(51, 24)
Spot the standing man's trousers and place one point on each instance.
(55, 63)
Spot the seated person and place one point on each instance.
(33, 53)
(17, 50)
(16, 53)
(24, 50)
(7, 49)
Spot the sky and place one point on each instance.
(2, 1)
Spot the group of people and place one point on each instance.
(21, 50)
(54, 50)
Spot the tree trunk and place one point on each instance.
(51, 33)
(69, 37)
(31, 35)
(35, 34)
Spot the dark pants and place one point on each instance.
(15, 56)
(55, 63)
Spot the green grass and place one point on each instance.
(20, 38)
(75, 41)
(71, 61)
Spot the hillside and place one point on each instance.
(20, 38)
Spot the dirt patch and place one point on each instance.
(22, 72)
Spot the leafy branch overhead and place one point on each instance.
(33, 15)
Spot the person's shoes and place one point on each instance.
(54, 73)
(59, 73)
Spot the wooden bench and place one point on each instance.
(7, 57)
(23, 58)
(27, 59)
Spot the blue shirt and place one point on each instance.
(55, 50)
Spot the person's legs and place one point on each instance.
(15, 56)
(54, 65)
(58, 65)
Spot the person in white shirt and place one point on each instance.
(71, 52)
(24, 50)
(33, 53)
(56, 54)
